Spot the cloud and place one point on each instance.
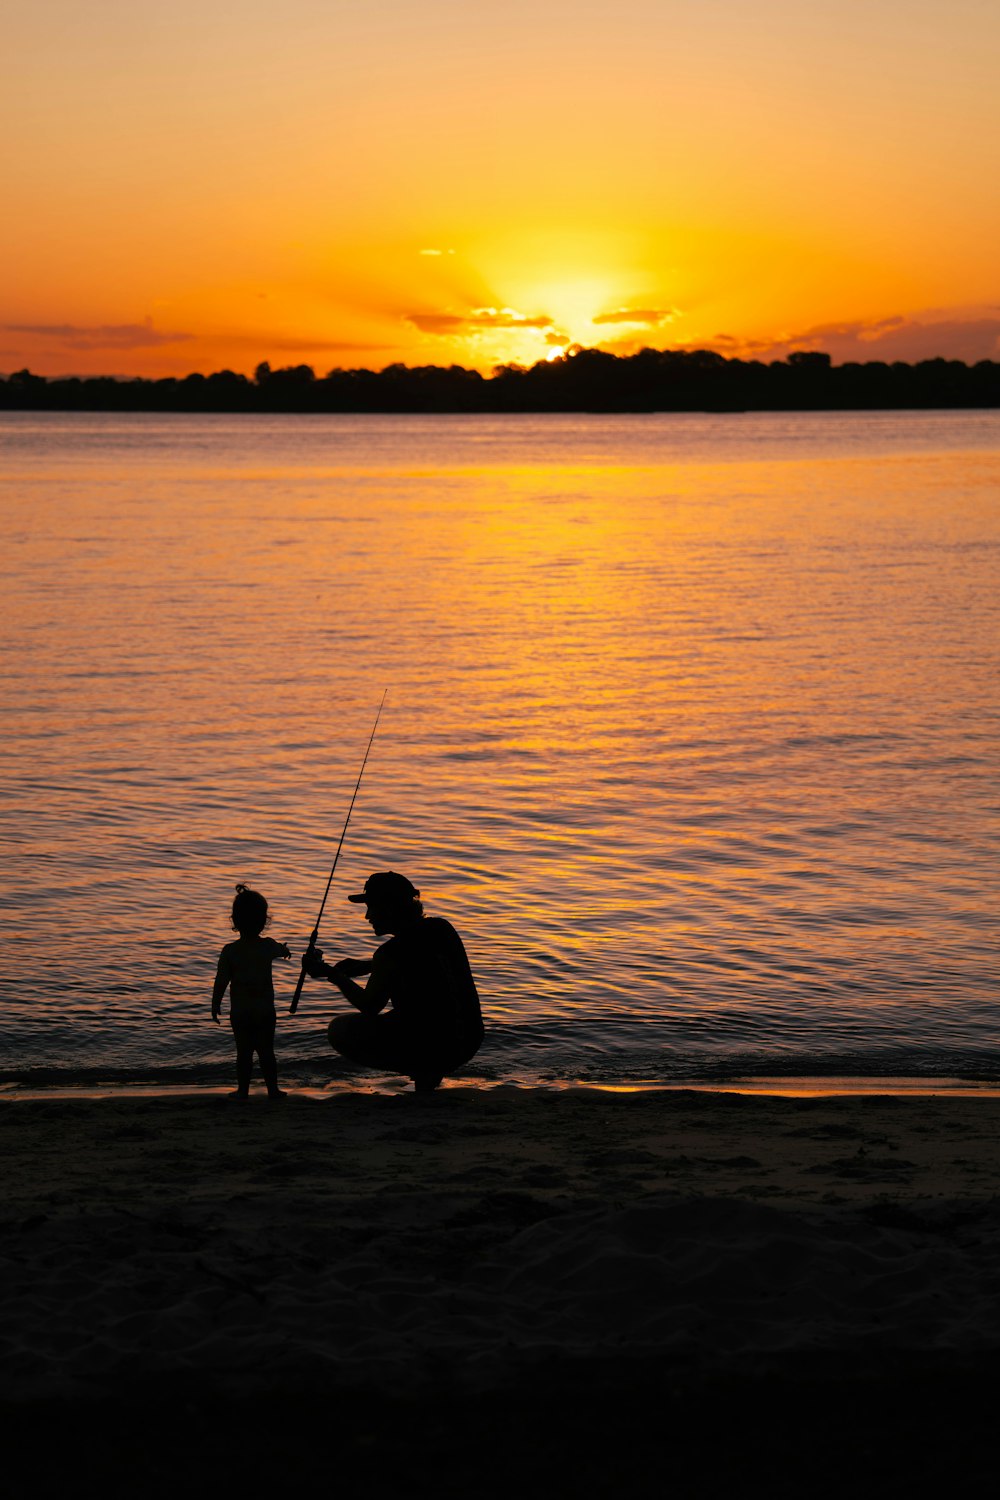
(459, 324)
(125, 336)
(288, 344)
(929, 335)
(435, 252)
(651, 317)
(436, 322)
(82, 352)
(101, 336)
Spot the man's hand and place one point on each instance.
(215, 1015)
(313, 963)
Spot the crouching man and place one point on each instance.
(434, 1024)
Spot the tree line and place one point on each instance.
(583, 380)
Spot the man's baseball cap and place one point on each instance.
(386, 889)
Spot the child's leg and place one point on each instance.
(268, 1061)
(244, 1058)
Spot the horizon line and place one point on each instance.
(811, 360)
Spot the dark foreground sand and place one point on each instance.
(487, 1292)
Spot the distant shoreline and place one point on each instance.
(588, 381)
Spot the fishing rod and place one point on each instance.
(314, 935)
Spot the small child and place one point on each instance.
(246, 966)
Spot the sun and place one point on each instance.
(574, 302)
(572, 275)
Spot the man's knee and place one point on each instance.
(335, 1032)
(345, 1032)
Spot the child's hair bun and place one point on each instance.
(249, 910)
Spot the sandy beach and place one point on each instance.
(488, 1288)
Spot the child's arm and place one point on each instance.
(279, 950)
(221, 985)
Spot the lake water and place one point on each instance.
(692, 729)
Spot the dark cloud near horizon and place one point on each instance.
(294, 345)
(126, 336)
(895, 338)
(101, 336)
(651, 316)
(483, 317)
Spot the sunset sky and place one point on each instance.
(199, 185)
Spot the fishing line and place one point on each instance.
(314, 935)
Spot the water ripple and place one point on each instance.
(692, 727)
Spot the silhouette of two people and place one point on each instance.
(419, 1013)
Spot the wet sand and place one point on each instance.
(494, 1289)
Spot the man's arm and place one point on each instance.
(369, 999)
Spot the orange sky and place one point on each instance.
(191, 186)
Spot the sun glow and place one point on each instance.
(575, 302)
(573, 275)
(548, 293)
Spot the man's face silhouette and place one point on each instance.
(379, 919)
